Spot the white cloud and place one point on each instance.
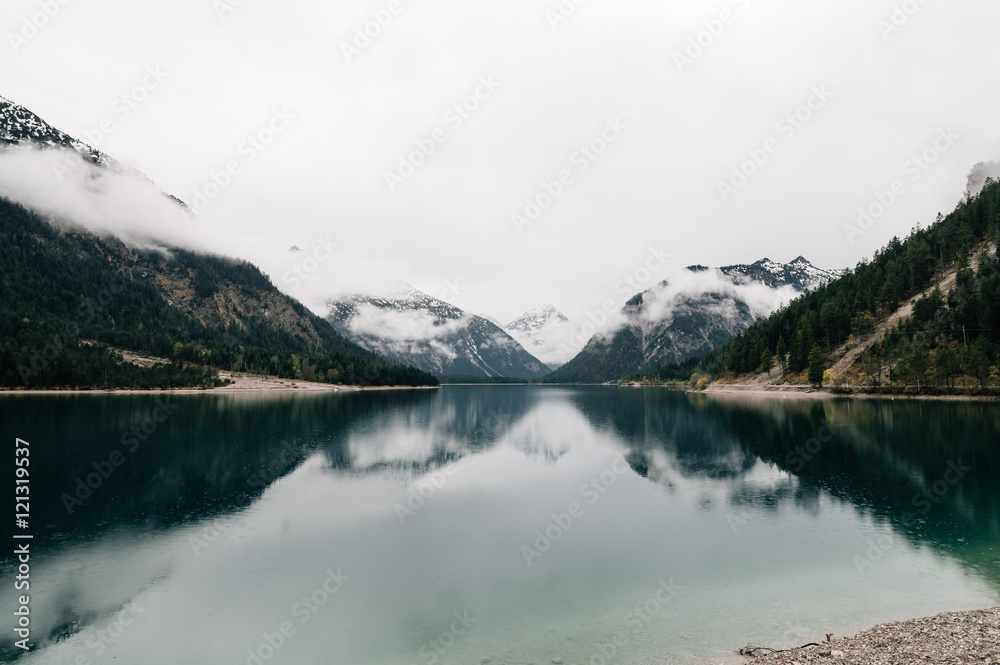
(450, 220)
(402, 325)
(87, 195)
(662, 300)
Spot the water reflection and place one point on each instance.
(209, 532)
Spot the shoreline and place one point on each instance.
(243, 384)
(949, 637)
(802, 392)
(214, 391)
(760, 391)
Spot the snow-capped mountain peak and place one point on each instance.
(416, 329)
(690, 314)
(799, 274)
(19, 127)
(535, 319)
(544, 331)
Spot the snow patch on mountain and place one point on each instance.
(414, 328)
(70, 182)
(545, 332)
(799, 274)
(23, 129)
(694, 311)
(655, 308)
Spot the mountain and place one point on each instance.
(21, 128)
(923, 315)
(799, 274)
(491, 319)
(67, 294)
(412, 327)
(543, 331)
(697, 311)
(61, 286)
(979, 176)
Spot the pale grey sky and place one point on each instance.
(667, 120)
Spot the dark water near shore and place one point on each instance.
(520, 525)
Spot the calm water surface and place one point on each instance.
(520, 525)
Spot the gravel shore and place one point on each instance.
(955, 637)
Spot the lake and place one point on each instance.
(500, 524)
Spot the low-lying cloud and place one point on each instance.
(978, 175)
(58, 184)
(684, 288)
(402, 325)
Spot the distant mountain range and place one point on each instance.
(64, 288)
(695, 312)
(21, 128)
(413, 328)
(698, 311)
(800, 274)
(543, 331)
(920, 317)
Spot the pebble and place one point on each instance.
(952, 637)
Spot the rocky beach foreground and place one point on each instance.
(953, 637)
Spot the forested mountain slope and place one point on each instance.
(59, 285)
(948, 332)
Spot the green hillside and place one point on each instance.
(59, 286)
(950, 334)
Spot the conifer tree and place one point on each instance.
(817, 366)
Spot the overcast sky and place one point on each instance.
(885, 80)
